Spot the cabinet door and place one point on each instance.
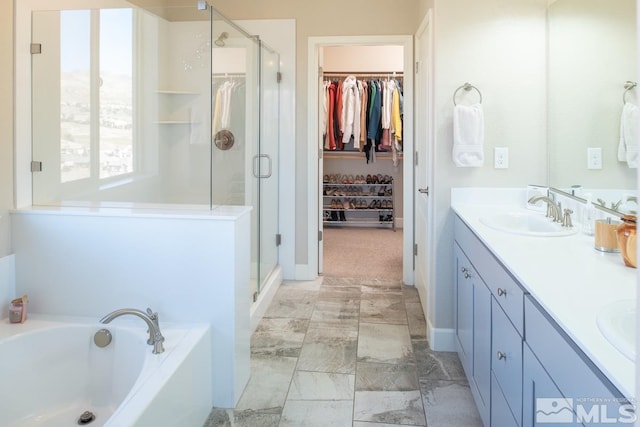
(464, 310)
(506, 359)
(501, 415)
(482, 345)
(542, 402)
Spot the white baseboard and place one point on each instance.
(268, 291)
(399, 222)
(441, 339)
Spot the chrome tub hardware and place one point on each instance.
(86, 417)
(102, 338)
(151, 319)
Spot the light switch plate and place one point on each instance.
(594, 158)
(501, 157)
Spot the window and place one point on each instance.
(96, 94)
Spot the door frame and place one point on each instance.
(425, 154)
(314, 138)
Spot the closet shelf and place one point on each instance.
(357, 196)
(359, 216)
(382, 155)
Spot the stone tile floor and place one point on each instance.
(349, 352)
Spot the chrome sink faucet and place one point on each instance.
(553, 211)
(151, 318)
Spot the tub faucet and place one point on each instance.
(155, 336)
(553, 211)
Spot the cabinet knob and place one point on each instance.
(464, 269)
(502, 292)
(501, 355)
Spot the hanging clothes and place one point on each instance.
(367, 112)
(350, 118)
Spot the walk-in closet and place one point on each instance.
(361, 119)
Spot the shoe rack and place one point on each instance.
(358, 200)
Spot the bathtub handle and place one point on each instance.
(156, 322)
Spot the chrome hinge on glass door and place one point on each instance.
(36, 166)
(256, 165)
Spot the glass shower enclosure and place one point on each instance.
(156, 107)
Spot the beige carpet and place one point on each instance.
(362, 252)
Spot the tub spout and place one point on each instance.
(155, 336)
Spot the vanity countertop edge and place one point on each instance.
(569, 278)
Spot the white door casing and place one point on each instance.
(423, 189)
(314, 185)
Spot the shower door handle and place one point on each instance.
(256, 165)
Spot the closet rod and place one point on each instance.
(379, 74)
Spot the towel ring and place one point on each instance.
(467, 87)
(628, 85)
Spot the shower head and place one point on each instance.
(221, 38)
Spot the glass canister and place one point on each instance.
(627, 240)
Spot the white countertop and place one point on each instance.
(142, 210)
(565, 275)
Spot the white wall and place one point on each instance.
(189, 267)
(363, 58)
(6, 123)
(499, 47)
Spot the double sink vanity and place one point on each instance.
(545, 323)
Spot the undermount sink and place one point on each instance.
(526, 223)
(617, 322)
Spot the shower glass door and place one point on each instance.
(245, 105)
(268, 159)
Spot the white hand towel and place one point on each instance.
(468, 136)
(628, 150)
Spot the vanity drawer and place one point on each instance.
(506, 358)
(506, 290)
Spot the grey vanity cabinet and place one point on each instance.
(523, 369)
(488, 308)
(473, 331)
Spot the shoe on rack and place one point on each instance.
(325, 179)
(387, 179)
(381, 191)
(368, 180)
(342, 216)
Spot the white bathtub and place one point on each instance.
(51, 372)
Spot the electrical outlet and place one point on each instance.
(501, 157)
(594, 158)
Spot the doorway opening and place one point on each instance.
(364, 203)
